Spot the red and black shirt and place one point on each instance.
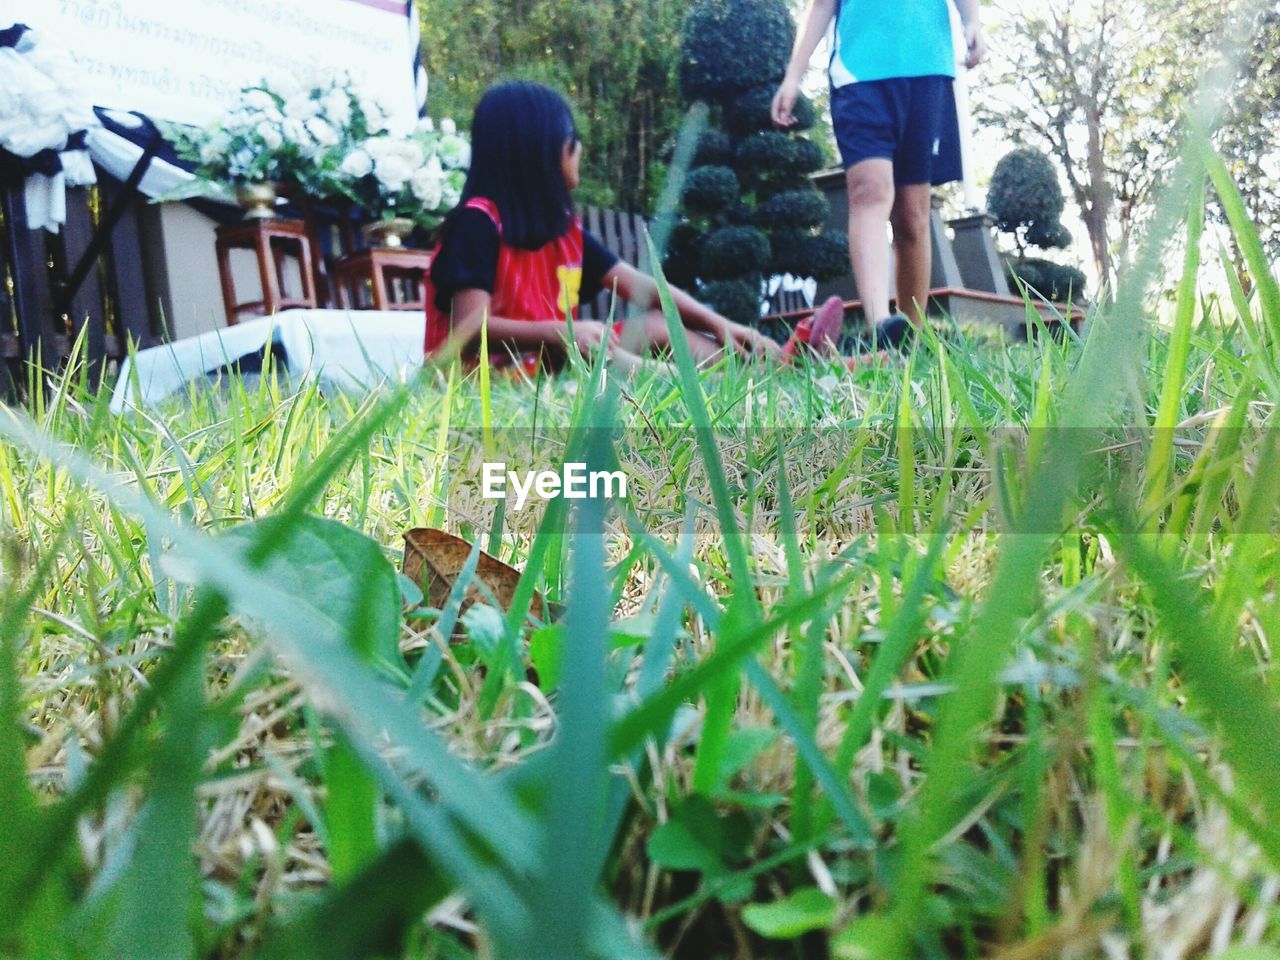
(534, 285)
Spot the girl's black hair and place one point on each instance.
(518, 135)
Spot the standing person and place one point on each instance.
(893, 109)
(514, 256)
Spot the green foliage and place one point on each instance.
(739, 300)
(794, 208)
(1048, 235)
(732, 251)
(731, 46)
(1056, 282)
(615, 60)
(710, 190)
(1024, 196)
(823, 256)
(714, 149)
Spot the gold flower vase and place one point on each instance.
(388, 233)
(257, 200)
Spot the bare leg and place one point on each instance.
(914, 248)
(870, 186)
(658, 340)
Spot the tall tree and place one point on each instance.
(1102, 85)
(616, 60)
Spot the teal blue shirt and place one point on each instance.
(882, 39)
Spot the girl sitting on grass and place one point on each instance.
(514, 251)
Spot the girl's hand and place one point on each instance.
(589, 334)
(975, 44)
(750, 342)
(784, 102)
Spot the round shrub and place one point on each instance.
(787, 244)
(806, 156)
(762, 155)
(729, 46)
(794, 208)
(738, 214)
(752, 112)
(1024, 192)
(739, 300)
(801, 253)
(1053, 281)
(708, 190)
(714, 149)
(1048, 235)
(680, 263)
(827, 255)
(733, 251)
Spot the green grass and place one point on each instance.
(964, 656)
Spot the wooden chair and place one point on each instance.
(273, 242)
(382, 278)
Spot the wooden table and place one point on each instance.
(382, 278)
(273, 242)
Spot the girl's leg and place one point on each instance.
(655, 338)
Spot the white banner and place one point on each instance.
(184, 60)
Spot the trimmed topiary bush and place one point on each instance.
(795, 208)
(709, 190)
(1025, 195)
(715, 65)
(714, 149)
(739, 300)
(825, 256)
(735, 51)
(1026, 202)
(733, 251)
(1053, 281)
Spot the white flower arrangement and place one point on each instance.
(418, 176)
(283, 130)
(331, 139)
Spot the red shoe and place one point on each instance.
(819, 331)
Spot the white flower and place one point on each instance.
(271, 136)
(374, 117)
(259, 100)
(283, 83)
(337, 107)
(323, 132)
(448, 127)
(427, 188)
(295, 131)
(379, 146)
(455, 152)
(214, 147)
(450, 196)
(393, 172)
(301, 106)
(357, 164)
(426, 125)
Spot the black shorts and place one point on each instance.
(910, 121)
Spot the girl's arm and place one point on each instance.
(816, 18)
(471, 306)
(642, 290)
(975, 43)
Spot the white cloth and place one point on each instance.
(350, 349)
(46, 201)
(119, 156)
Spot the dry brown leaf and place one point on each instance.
(433, 559)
